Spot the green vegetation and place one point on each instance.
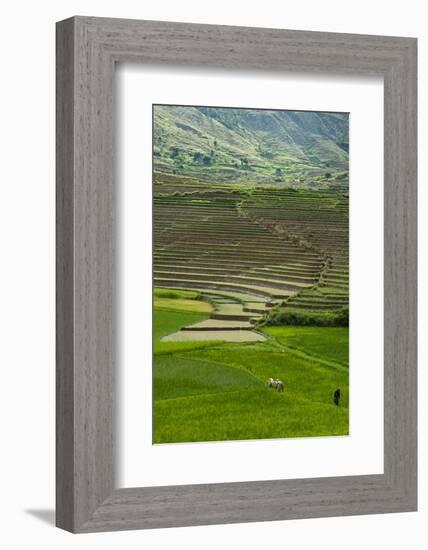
(250, 267)
(182, 300)
(250, 145)
(174, 294)
(295, 317)
(331, 344)
(166, 322)
(253, 244)
(220, 393)
(185, 376)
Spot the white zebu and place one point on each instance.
(276, 383)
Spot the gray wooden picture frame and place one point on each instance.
(87, 50)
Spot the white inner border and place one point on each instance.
(140, 462)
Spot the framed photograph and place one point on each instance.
(236, 274)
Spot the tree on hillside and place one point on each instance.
(265, 153)
(174, 152)
(278, 174)
(244, 162)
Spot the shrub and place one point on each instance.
(309, 318)
(278, 174)
(342, 318)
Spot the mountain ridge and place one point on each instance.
(252, 145)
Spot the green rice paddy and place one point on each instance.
(213, 391)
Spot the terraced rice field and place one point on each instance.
(248, 249)
(228, 258)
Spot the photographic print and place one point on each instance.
(250, 273)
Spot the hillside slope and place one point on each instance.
(252, 145)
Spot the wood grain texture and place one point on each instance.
(87, 50)
(64, 277)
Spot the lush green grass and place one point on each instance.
(303, 376)
(245, 414)
(174, 294)
(218, 391)
(177, 376)
(331, 344)
(179, 300)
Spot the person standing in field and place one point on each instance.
(336, 397)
